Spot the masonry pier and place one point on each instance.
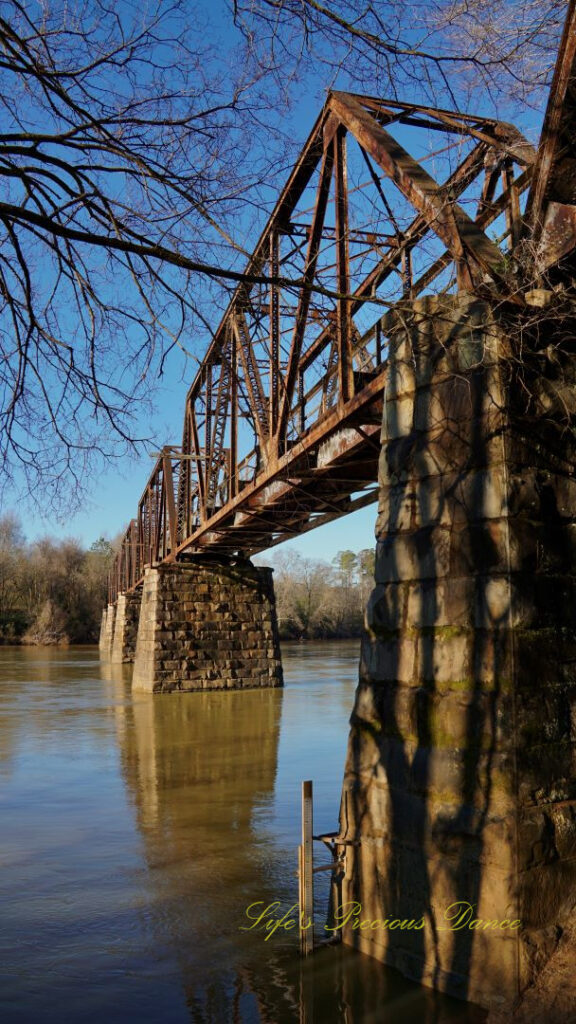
(126, 626)
(207, 624)
(460, 781)
(107, 631)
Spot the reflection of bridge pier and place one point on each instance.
(199, 767)
(201, 772)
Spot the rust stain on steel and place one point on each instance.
(557, 138)
(558, 235)
(458, 232)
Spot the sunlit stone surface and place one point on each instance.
(126, 627)
(207, 625)
(107, 631)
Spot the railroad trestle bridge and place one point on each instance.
(281, 425)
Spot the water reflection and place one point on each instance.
(201, 769)
(137, 830)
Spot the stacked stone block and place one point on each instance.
(460, 780)
(107, 631)
(126, 627)
(206, 625)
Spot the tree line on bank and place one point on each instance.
(321, 600)
(51, 591)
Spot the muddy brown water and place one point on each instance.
(135, 831)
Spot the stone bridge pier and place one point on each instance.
(197, 625)
(119, 628)
(107, 631)
(459, 796)
(126, 627)
(207, 624)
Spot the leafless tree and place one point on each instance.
(122, 156)
(50, 589)
(437, 51)
(11, 547)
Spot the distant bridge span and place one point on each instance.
(281, 424)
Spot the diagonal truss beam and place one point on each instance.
(557, 142)
(461, 236)
(456, 183)
(253, 382)
(506, 136)
(305, 294)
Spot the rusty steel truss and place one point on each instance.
(281, 424)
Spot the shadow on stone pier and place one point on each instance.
(459, 780)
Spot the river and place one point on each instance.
(135, 831)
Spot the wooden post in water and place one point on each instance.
(305, 874)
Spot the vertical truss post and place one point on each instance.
(513, 216)
(141, 536)
(464, 276)
(301, 317)
(158, 503)
(274, 331)
(233, 454)
(557, 131)
(134, 539)
(151, 509)
(207, 433)
(151, 521)
(145, 512)
(199, 467)
(183, 499)
(345, 370)
(153, 514)
(406, 266)
(140, 530)
(148, 524)
(170, 503)
(128, 560)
